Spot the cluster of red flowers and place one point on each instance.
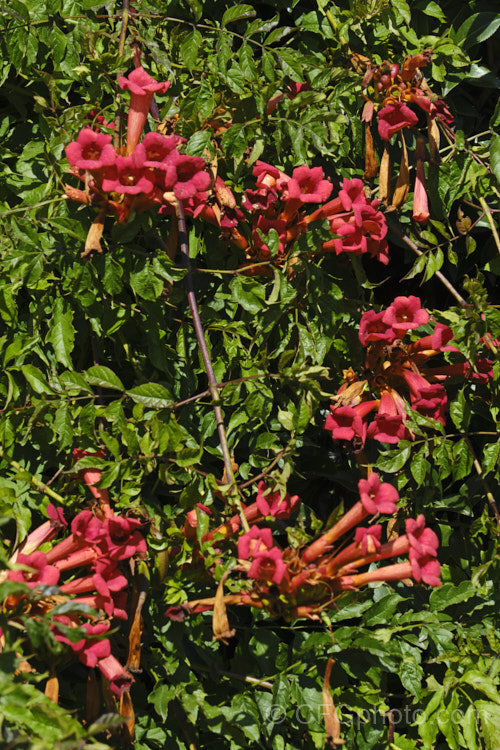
(279, 203)
(398, 88)
(94, 551)
(150, 173)
(153, 173)
(390, 91)
(302, 582)
(398, 375)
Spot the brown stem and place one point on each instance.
(480, 474)
(395, 230)
(489, 217)
(213, 386)
(123, 31)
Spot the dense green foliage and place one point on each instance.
(100, 352)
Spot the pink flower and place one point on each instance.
(129, 175)
(362, 231)
(142, 88)
(389, 424)
(268, 565)
(158, 147)
(368, 539)
(91, 150)
(43, 533)
(43, 574)
(417, 96)
(482, 372)
(345, 423)
(267, 175)
(388, 428)
(441, 112)
(426, 569)
(394, 117)
(190, 175)
(191, 522)
(121, 539)
(423, 541)
(373, 328)
(261, 199)
(273, 504)
(420, 201)
(431, 402)
(91, 476)
(254, 541)
(87, 527)
(366, 542)
(307, 185)
(352, 193)
(442, 334)
(377, 496)
(89, 650)
(436, 341)
(120, 680)
(404, 314)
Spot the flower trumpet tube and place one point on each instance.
(420, 201)
(376, 497)
(142, 88)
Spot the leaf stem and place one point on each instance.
(489, 217)
(442, 278)
(32, 479)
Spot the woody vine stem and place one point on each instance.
(213, 386)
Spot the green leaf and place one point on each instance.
(491, 457)
(481, 76)
(434, 10)
(477, 28)
(411, 675)
(403, 9)
(189, 48)
(236, 79)
(489, 716)
(113, 273)
(483, 682)
(161, 697)
(462, 460)
(419, 467)
(198, 143)
(104, 378)
(73, 381)
(289, 64)
(234, 141)
(237, 13)
(469, 729)
(460, 411)
(61, 332)
(449, 594)
(145, 283)
(36, 379)
(495, 156)
(247, 63)
(63, 427)
(394, 460)
(152, 395)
